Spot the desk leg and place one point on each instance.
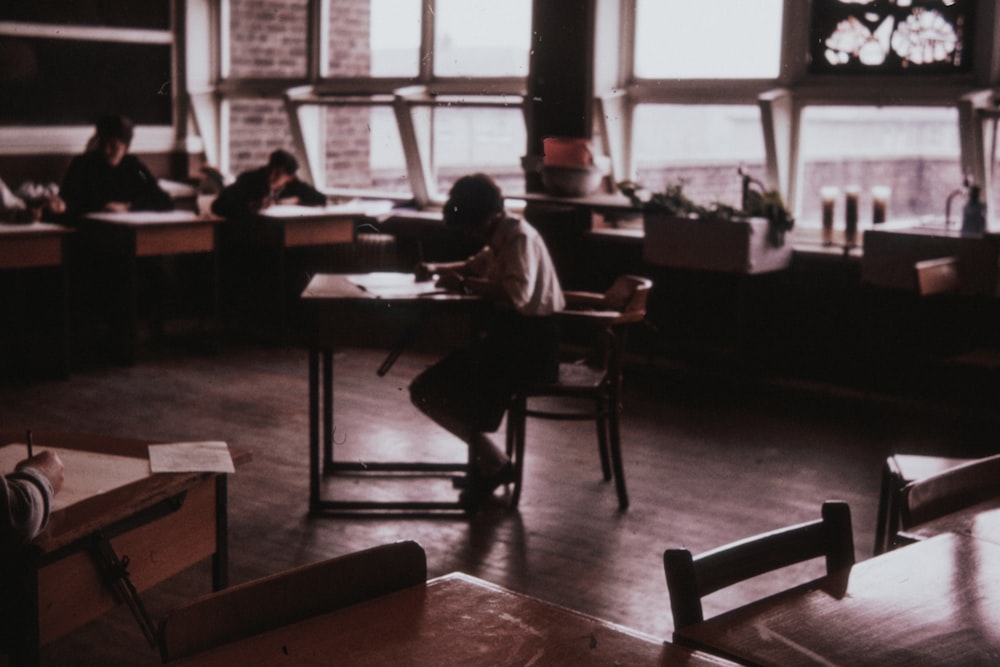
(21, 634)
(314, 471)
(220, 559)
(328, 427)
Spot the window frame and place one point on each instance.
(783, 98)
(19, 140)
(318, 89)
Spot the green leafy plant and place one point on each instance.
(758, 201)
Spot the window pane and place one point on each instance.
(256, 127)
(73, 82)
(395, 37)
(917, 36)
(149, 14)
(265, 42)
(364, 150)
(482, 37)
(486, 140)
(913, 151)
(704, 145)
(708, 39)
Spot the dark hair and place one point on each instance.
(115, 127)
(284, 161)
(472, 200)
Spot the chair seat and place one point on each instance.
(574, 378)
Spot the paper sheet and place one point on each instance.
(208, 456)
(87, 474)
(390, 284)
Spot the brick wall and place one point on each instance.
(268, 39)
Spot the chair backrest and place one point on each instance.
(937, 276)
(691, 578)
(949, 491)
(287, 597)
(628, 295)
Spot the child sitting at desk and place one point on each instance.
(26, 497)
(468, 391)
(274, 183)
(108, 178)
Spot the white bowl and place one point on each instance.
(565, 181)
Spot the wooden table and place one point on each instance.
(130, 236)
(32, 246)
(981, 522)
(386, 314)
(935, 602)
(452, 620)
(163, 523)
(282, 229)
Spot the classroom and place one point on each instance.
(757, 239)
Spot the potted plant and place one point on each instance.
(684, 234)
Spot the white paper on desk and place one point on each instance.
(389, 284)
(208, 456)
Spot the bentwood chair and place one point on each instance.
(287, 597)
(587, 389)
(690, 578)
(954, 489)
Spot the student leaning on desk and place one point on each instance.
(273, 184)
(27, 497)
(468, 391)
(108, 178)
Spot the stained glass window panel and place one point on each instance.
(891, 36)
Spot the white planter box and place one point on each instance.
(732, 246)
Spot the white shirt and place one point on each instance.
(518, 259)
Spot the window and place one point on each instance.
(364, 150)
(911, 36)
(63, 63)
(708, 39)
(482, 37)
(912, 151)
(395, 37)
(701, 144)
(488, 139)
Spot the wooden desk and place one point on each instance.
(935, 602)
(130, 236)
(452, 620)
(163, 523)
(981, 522)
(340, 307)
(32, 246)
(281, 229)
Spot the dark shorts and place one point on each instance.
(475, 384)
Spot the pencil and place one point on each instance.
(27, 437)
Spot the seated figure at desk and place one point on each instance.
(468, 391)
(274, 183)
(27, 497)
(32, 202)
(107, 178)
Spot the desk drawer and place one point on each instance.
(71, 591)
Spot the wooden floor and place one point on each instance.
(708, 460)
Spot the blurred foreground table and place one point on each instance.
(452, 620)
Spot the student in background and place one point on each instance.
(26, 497)
(274, 183)
(467, 392)
(108, 178)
